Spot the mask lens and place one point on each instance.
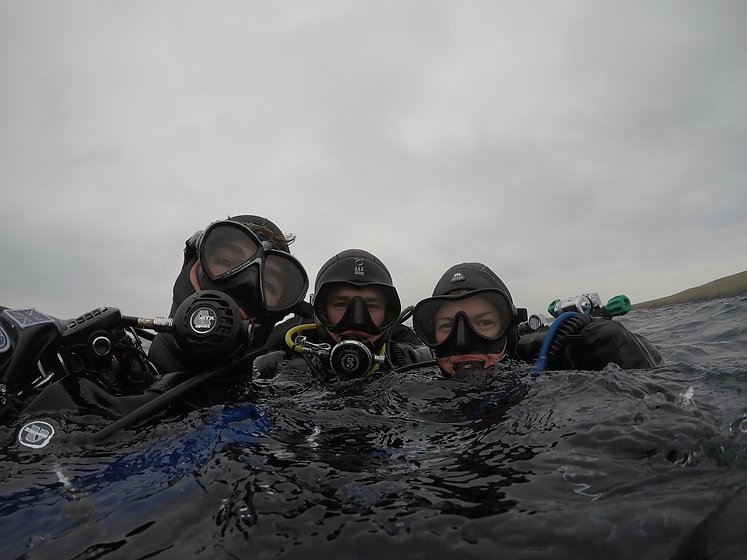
(226, 247)
(284, 281)
(487, 311)
(370, 308)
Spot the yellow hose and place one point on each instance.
(292, 332)
(309, 326)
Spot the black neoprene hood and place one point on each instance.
(251, 220)
(359, 268)
(469, 276)
(356, 266)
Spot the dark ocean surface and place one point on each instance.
(612, 464)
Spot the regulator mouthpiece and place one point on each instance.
(473, 365)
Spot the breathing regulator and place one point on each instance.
(36, 349)
(348, 358)
(207, 325)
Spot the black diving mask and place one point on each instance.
(357, 315)
(264, 280)
(474, 322)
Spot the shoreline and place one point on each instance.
(732, 285)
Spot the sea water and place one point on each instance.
(643, 464)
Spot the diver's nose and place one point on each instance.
(461, 330)
(358, 311)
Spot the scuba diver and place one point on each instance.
(237, 280)
(356, 328)
(470, 323)
(248, 258)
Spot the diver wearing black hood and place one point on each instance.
(470, 322)
(246, 257)
(237, 280)
(357, 326)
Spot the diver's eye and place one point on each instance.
(218, 264)
(271, 288)
(487, 327)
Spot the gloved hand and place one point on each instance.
(592, 343)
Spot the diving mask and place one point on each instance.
(367, 308)
(475, 321)
(264, 280)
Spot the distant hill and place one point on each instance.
(726, 286)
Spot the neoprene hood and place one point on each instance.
(469, 276)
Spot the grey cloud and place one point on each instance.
(570, 146)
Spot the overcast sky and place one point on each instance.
(570, 145)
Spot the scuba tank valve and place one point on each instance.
(589, 303)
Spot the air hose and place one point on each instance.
(551, 343)
(289, 340)
(396, 355)
(163, 400)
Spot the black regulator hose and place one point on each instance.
(161, 401)
(395, 356)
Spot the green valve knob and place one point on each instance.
(618, 305)
(551, 309)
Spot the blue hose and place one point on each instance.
(539, 364)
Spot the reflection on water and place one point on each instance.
(614, 464)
